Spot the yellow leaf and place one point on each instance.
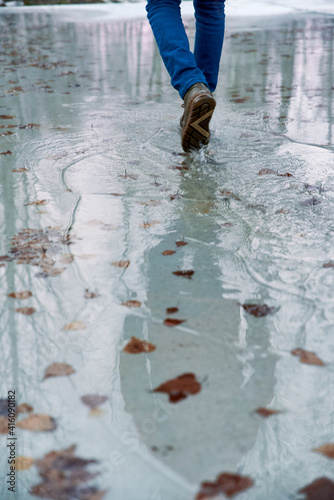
(23, 463)
(37, 423)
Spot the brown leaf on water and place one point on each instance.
(37, 423)
(173, 321)
(26, 310)
(187, 273)
(23, 463)
(7, 117)
(307, 357)
(285, 175)
(93, 400)
(24, 408)
(6, 153)
(137, 346)
(19, 170)
(90, 295)
(266, 412)
(121, 263)
(326, 449)
(3, 425)
(146, 225)
(227, 484)
(132, 303)
(168, 252)
(180, 387)
(37, 203)
(52, 271)
(328, 265)
(58, 370)
(20, 295)
(175, 196)
(266, 171)
(240, 100)
(180, 243)
(75, 325)
(87, 256)
(172, 310)
(66, 258)
(258, 310)
(320, 489)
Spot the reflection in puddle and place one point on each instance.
(109, 230)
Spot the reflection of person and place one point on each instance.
(194, 75)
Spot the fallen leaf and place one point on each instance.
(146, 225)
(185, 273)
(132, 303)
(121, 263)
(75, 325)
(180, 387)
(227, 484)
(37, 423)
(258, 310)
(307, 357)
(172, 310)
(26, 310)
(6, 153)
(58, 369)
(285, 175)
(328, 264)
(93, 400)
(7, 117)
(4, 425)
(37, 203)
(136, 346)
(168, 252)
(266, 412)
(240, 100)
(23, 463)
(21, 169)
(90, 295)
(52, 271)
(320, 489)
(20, 295)
(5, 258)
(24, 408)
(173, 321)
(180, 243)
(66, 258)
(226, 224)
(326, 449)
(266, 171)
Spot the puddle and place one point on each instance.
(213, 271)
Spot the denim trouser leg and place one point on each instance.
(166, 23)
(210, 27)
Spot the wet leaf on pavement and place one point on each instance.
(137, 346)
(20, 295)
(58, 370)
(180, 387)
(227, 484)
(37, 423)
(307, 357)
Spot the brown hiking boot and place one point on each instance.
(199, 104)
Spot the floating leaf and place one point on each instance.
(20, 295)
(258, 310)
(7, 117)
(37, 203)
(90, 295)
(87, 256)
(75, 325)
(4, 425)
(266, 412)
(185, 273)
(227, 484)
(180, 243)
(168, 252)
(26, 310)
(6, 153)
(267, 171)
(137, 346)
(121, 263)
(23, 463)
(175, 196)
(173, 321)
(180, 387)
(285, 175)
(326, 449)
(37, 423)
(20, 169)
(132, 303)
(146, 225)
(328, 264)
(320, 489)
(58, 370)
(93, 400)
(24, 408)
(307, 357)
(172, 310)
(66, 258)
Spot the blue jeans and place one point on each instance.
(184, 67)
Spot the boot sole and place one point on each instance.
(196, 130)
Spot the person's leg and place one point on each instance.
(166, 23)
(210, 26)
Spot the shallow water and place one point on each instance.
(94, 123)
